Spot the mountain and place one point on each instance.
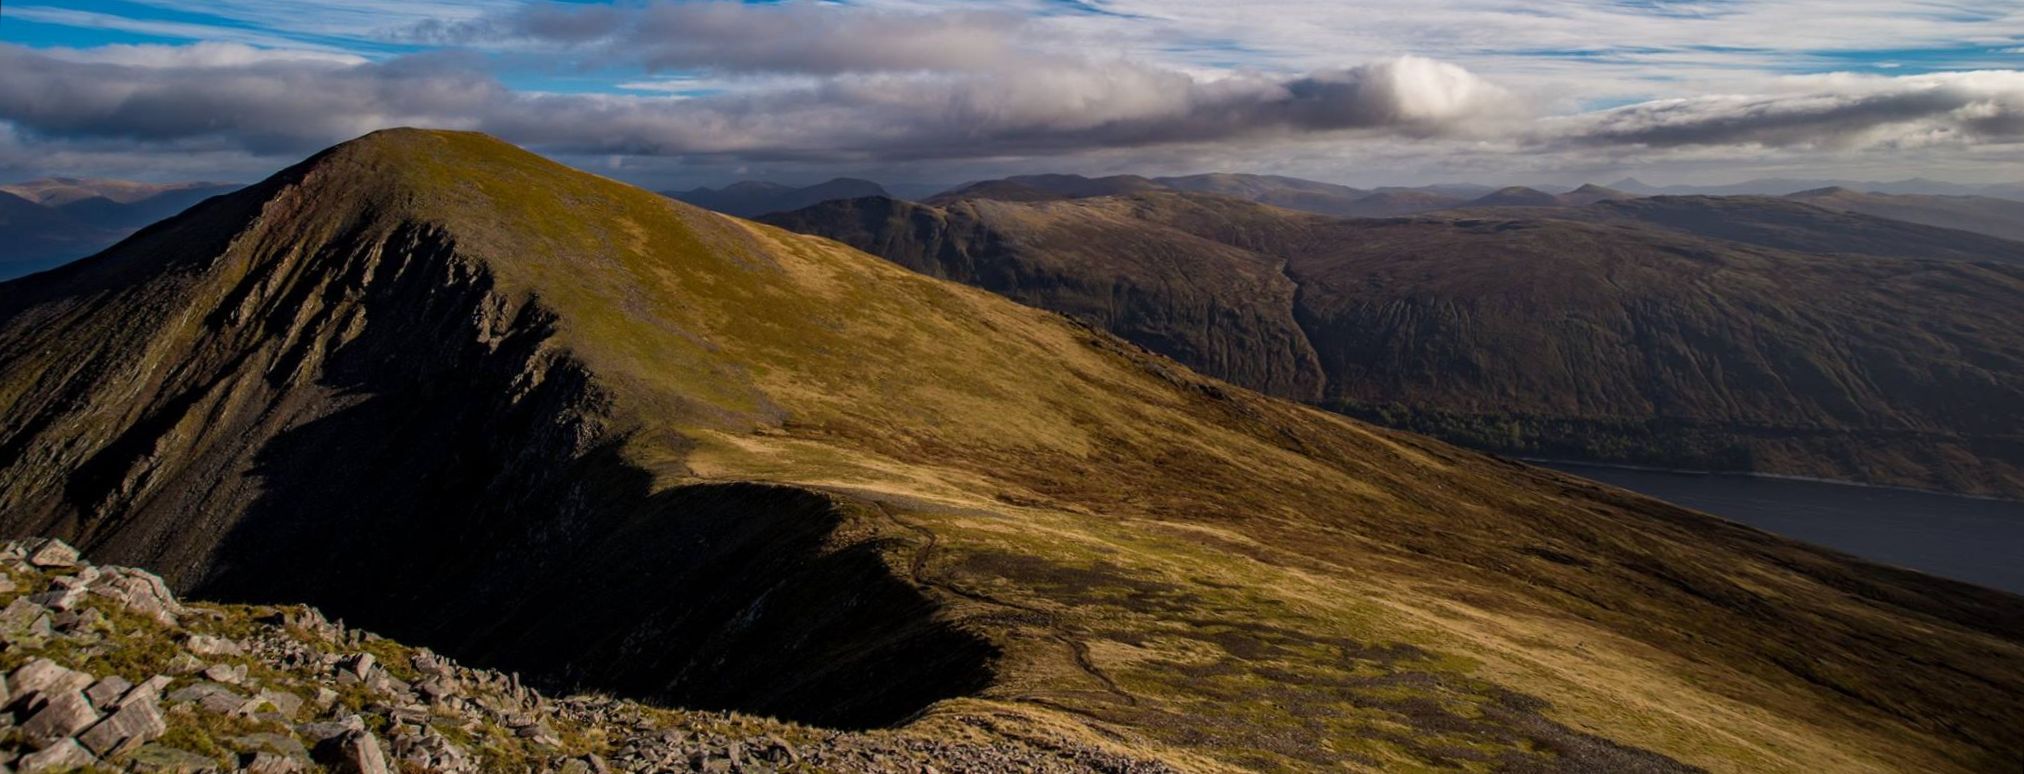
(64, 191)
(1517, 331)
(34, 237)
(1590, 194)
(1783, 186)
(44, 223)
(1290, 192)
(1995, 217)
(1398, 202)
(1022, 188)
(758, 198)
(1516, 196)
(1790, 224)
(125, 216)
(541, 421)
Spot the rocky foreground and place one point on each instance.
(107, 670)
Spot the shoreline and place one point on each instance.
(1549, 462)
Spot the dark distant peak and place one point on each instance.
(1591, 193)
(1517, 196)
(753, 197)
(847, 187)
(754, 186)
(1830, 192)
(1027, 188)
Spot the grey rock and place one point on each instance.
(24, 620)
(230, 674)
(329, 729)
(135, 724)
(63, 715)
(206, 645)
(50, 552)
(285, 703)
(64, 755)
(40, 676)
(150, 690)
(353, 752)
(359, 665)
(140, 591)
(270, 763)
(107, 690)
(279, 744)
(161, 759)
(61, 598)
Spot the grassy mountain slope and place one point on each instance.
(535, 418)
(1541, 336)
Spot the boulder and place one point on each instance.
(270, 763)
(41, 676)
(65, 755)
(139, 591)
(61, 716)
(60, 598)
(230, 674)
(353, 752)
(206, 645)
(107, 691)
(50, 552)
(134, 724)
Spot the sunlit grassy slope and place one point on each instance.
(1179, 567)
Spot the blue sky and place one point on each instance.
(671, 92)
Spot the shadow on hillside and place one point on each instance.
(458, 501)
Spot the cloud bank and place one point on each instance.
(730, 83)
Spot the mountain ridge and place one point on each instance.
(1667, 385)
(434, 382)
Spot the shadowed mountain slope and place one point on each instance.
(34, 237)
(1785, 224)
(1601, 341)
(535, 418)
(1995, 217)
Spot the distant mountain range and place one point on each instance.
(537, 420)
(1757, 334)
(751, 198)
(1782, 186)
(44, 223)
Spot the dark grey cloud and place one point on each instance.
(797, 37)
(1847, 112)
(296, 105)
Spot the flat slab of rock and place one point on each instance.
(135, 724)
(65, 755)
(52, 553)
(61, 717)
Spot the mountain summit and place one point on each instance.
(539, 420)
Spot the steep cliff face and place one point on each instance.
(1595, 333)
(536, 419)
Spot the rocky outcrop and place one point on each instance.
(113, 680)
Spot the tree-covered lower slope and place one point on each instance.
(1526, 332)
(541, 421)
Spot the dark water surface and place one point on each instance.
(1978, 541)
